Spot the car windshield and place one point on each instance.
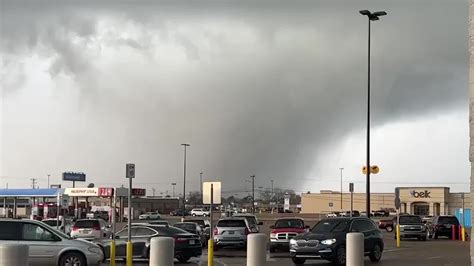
(200, 222)
(448, 220)
(326, 226)
(410, 220)
(186, 226)
(231, 223)
(53, 222)
(289, 223)
(86, 223)
(250, 219)
(169, 231)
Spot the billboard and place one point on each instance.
(70, 176)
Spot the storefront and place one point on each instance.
(414, 200)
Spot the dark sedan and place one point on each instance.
(327, 240)
(193, 228)
(187, 245)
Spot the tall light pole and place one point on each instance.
(253, 193)
(342, 169)
(174, 185)
(48, 180)
(371, 17)
(185, 145)
(271, 195)
(200, 186)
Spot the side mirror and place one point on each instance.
(307, 227)
(272, 227)
(260, 223)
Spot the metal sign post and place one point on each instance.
(210, 259)
(351, 189)
(130, 174)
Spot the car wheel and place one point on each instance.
(423, 238)
(72, 258)
(340, 256)
(194, 214)
(298, 261)
(435, 235)
(204, 215)
(376, 253)
(183, 259)
(389, 228)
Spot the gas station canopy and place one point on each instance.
(29, 192)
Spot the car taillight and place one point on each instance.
(75, 228)
(180, 240)
(216, 232)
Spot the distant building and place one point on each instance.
(415, 200)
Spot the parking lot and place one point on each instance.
(412, 252)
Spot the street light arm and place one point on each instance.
(380, 13)
(365, 12)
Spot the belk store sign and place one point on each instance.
(420, 194)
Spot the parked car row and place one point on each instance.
(343, 214)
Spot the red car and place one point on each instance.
(386, 224)
(283, 230)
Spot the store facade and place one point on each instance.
(414, 200)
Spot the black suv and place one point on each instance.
(442, 226)
(327, 240)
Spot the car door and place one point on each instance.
(140, 236)
(121, 239)
(44, 246)
(362, 226)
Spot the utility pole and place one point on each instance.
(48, 180)
(200, 186)
(185, 145)
(253, 193)
(342, 169)
(33, 182)
(271, 195)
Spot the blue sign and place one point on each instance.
(70, 176)
(467, 217)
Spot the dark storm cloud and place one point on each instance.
(269, 85)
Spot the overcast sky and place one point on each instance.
(271, 88)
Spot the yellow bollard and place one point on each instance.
(112, 253)
(129, 253)
(398, 235)
(210, 252)
(463, 232)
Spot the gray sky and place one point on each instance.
(271, 88)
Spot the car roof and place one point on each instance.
(233, 218)
(290, 218)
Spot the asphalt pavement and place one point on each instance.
(443, 252)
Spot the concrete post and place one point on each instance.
(161, 251)
(13, 255)
(256, 249)
(355, 249)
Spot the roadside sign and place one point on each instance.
(206, 191)
(71, 176)
(331, 204)
(130, 173)
(351, 187)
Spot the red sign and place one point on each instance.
(106, 192)
(141, 192)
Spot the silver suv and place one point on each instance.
(48, 246)
(231, 232)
